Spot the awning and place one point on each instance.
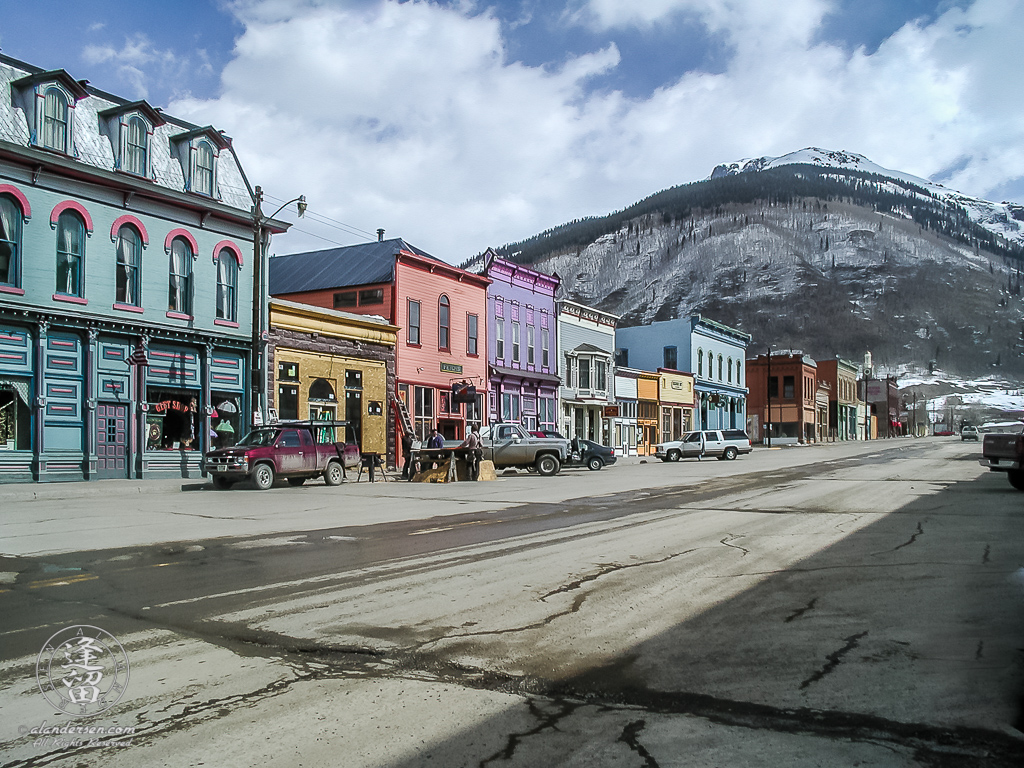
(18, 385)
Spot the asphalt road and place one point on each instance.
(838, 605)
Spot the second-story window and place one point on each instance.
(720, 377)
(530, 355)
(136, 147)
(700, 363)
(472, 323)
(70, 254)
(515, 342)
(544, 351)
(499, 339)
(583, 368)
(55, 120)
(728, 368)
(227, 286)
(179, 297)
(203, 182)
(669, 357)
(444, 323)
(739, 371)
(129, 262)
(600, 375)
(10, 241)
(413, 332)
(789, 387)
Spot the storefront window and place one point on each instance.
(15, 417)
(225, 424)
(173, 422)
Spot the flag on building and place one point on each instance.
(138, 357)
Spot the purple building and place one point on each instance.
(522, 350)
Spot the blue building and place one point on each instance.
(126, 284)
(713, 352)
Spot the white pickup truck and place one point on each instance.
(720, 443)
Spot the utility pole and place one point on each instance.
(768, 389)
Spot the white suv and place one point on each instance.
(720, 443)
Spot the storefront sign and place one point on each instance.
(450, 368)
(611, 411)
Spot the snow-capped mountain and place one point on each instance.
(816, 250)
(1005, 219)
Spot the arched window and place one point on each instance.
(137, 147)
(728, 369)
(739, 372)
(10, 241)
(444, 323)
(720, 377)
(227, 285)
(700, 362)
(129, 262)
(55, 120)
(203, 183)
(179, 298)
(321, 390)
(70, 254)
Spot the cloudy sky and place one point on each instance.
(458, 124)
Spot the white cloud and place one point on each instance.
(137, 62)
(410, 116)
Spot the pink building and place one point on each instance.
(441, 310)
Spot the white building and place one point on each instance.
(586, 346)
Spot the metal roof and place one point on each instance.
(362, 264)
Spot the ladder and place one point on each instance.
(403, 414)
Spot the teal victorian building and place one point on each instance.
(126, 284)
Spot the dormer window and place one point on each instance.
(49, 99)
(55, 120)
(203, 182)
(130, 129)
(198, 151)
(137, 149)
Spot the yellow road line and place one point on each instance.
(61, 581)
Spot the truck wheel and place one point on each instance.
(1016, 478)
(263, 476)
(595, 463)
(333, 474)
(547, 465)
(729, 454)
(222, 483)
(296, 481)
(673, 455)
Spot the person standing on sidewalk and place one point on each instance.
(473, 448)
(407, 470)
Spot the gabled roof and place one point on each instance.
(362, 264)
(147, 109)
(76, 87)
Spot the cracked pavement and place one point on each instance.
(833, 605)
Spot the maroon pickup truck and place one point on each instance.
(1004, 452)
(296, 451)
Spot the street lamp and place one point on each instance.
(260, 331)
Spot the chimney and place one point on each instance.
(380, 235)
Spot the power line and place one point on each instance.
(328, 221)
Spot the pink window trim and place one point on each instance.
(179, 232)
(120, 221)
(179, 316)
(225, 323)
(70, 299)
(129, 308)
(230, 245)
(26, 209)
(59, 208)
(12, 289)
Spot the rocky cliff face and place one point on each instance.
(828, 277)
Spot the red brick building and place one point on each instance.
(791, 386)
